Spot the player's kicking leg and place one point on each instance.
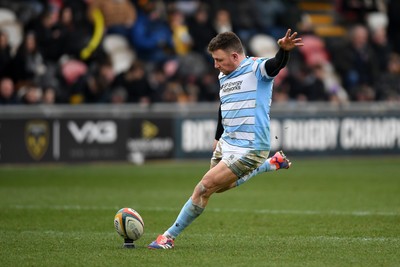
(215, 179)
(224, 173)
(274, 163)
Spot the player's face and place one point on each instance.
(224, 61)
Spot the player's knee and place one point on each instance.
(202, 188)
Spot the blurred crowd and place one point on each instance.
(148, 51)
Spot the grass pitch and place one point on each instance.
(327, 212)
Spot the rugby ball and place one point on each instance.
(129, 224)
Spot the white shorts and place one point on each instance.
(241, 161)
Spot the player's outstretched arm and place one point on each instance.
(289, 41)
(286, 44)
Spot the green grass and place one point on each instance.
(327, 212)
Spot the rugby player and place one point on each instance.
(242, 150)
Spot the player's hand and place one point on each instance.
(289, 41)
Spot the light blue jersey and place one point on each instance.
(246, 96)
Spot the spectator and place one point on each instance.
(28, 64)
(393, 31)
(274, 17)
(75, 33)
(118, 96)
(222, 21)
(314, 50)
(381, 47)
(158, 82)
(7, 92)
(135, 83)
(356, 62)
(27, 10)
(151, 35)
(174, 92)
(388, 84)
(93, 86)
(191, 64)
(71, 72)
(191, 89)
(364, 93)
(98, 85)
(180, 33)
(173, 50)
(281, 87)
(5, 54)
(305, 86)
(335, 93)
(119, 15)
(49, 35)
(49, 96)
(201, 30)
(186, 7)
(243, 19)
(208, 86)
(80, 11)
(30, 94)
(355, 11)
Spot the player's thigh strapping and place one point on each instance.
(240, 161)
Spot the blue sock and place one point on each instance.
(188, 213)
(265, 167)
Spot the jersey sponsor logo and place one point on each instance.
(37, 138)
(231, 86)
(244, 83)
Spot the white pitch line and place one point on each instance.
(110, 234)
(302, 238)
(216, 210)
